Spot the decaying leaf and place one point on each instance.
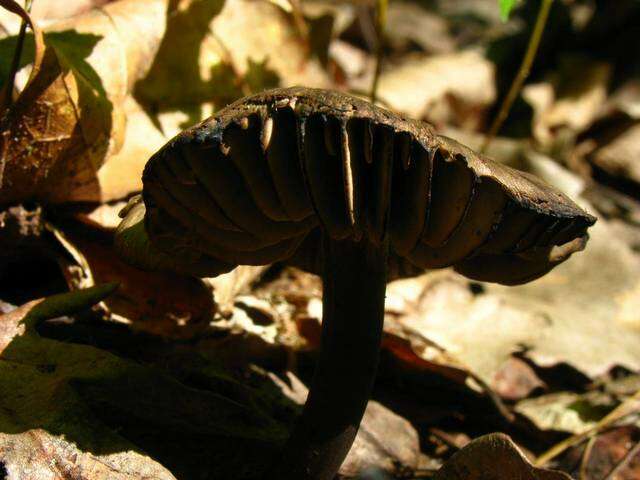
(172, 306)
(614, 453)
(493, 457)
(69, 118)
(107, 407)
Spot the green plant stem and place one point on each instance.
(15, 62)
(381, 22)
(523, 73)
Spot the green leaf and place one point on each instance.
(187, 411)
(505, 8)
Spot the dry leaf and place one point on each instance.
(69, 119)
(449, 88)
(39, 455)
(160, 303)
(107, 406)
(572, 101)
(385, 441)
(618, 448)
(493, 457)
(564, 411)
(619, 156)
(217, 49)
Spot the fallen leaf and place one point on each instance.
(69, 118)
(159, 303)
(571, 101)
(618, 448)
(385, 441)
(493, 457)
(215, 49)
(39, 455)
(516, 380)
(455, 88)
(565, 411)
(618, 156)
(107, 407)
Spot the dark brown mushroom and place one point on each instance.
(352, 192)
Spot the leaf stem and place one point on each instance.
(15, 62)
(523, 73)
(381, 22)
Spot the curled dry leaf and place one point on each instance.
(69, 118)
(493, 457)
(39, 47)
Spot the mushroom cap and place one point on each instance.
(261, 180)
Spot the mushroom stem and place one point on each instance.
(354, 283)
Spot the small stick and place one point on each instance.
(629, 407)
(586, 455)
(381, 21)
(15, 62)
(521, 76)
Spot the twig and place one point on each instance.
(381, 22)
(523, 72)
(586, 455)
(629, 407)
(15, 62)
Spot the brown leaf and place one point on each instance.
(155, 302)
(617, 448)
(385, 441)
(69, 118)
(493, 457)
(14, 7)
(516, 380)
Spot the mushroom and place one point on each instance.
(357, 194)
